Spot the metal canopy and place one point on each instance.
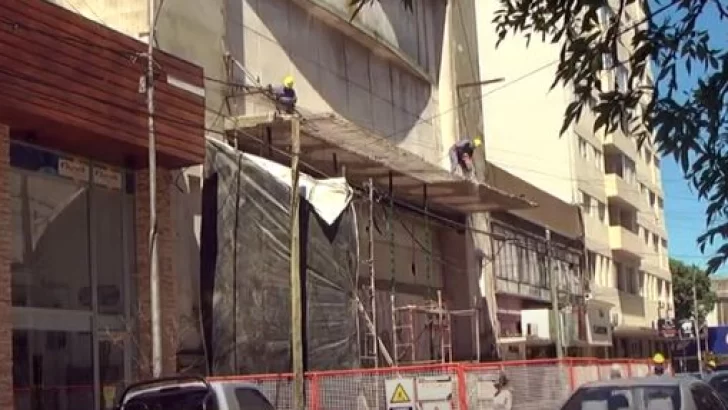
(331, 145)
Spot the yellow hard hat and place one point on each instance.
(288, 81)
(477, 142)
(658, 358)
(711, 363)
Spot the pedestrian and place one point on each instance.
(503, 399)
(615, 372)
(658, 361)
(461, 156)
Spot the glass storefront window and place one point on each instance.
(50, 267)
(72, 255)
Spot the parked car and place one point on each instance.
(185, 393)
(646, 393)
(718, 380)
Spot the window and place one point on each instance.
(587, 204)
(249, 399)
(598, 158)
(655, 243)
(602, 211)
(72, 226)
(706, 398)
(591, 262)
(583, 148)
(621, 78)
(621, 276)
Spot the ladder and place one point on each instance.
(442, 323)
(369, 352)
(403, 334)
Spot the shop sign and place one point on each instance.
(73, 169)
(666, 328)
(107, 178)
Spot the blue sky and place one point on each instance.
(684, 213)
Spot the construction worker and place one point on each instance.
(658, 361)
(285, 96)
(503, 398)
(710, 366)
(461, 156)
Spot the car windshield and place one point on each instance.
(720, 384)
(171, 399)
(625, 398)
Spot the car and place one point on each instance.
(646, 393)
(718, 380)
(193, 393)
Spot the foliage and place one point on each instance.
(676, 86)
(682, 289)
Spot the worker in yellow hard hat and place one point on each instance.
(658, 361)
(461, 155)
(285, 95)
(710, 366)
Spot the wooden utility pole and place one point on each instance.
(296, 314)
(554, 285)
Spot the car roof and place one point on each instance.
(665, 381)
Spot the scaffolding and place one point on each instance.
(438, 320)
(409, 322)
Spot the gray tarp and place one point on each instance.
(245, 288)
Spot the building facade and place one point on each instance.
(615, 182)
(74, 201)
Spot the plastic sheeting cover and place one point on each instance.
(245, 272)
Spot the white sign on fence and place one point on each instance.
(400, 393)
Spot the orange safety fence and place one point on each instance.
(535, 384)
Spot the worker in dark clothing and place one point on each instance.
(285, 96)
(461, 156)
(658, 361)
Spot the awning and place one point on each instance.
(331, 144)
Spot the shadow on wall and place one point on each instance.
(335, 72)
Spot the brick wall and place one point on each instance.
(6, 329)
(168, 282)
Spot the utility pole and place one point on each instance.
(554, 285)
(696, 324)
(153, 256)
(296, 318)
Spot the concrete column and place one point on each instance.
(6, 319)
(168, 279)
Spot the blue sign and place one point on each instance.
(718, 340)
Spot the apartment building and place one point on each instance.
(616, 183)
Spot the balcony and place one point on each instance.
(618, 141)
(625, 242)
(618, 190)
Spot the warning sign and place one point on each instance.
(400, 393)
(399, 396)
